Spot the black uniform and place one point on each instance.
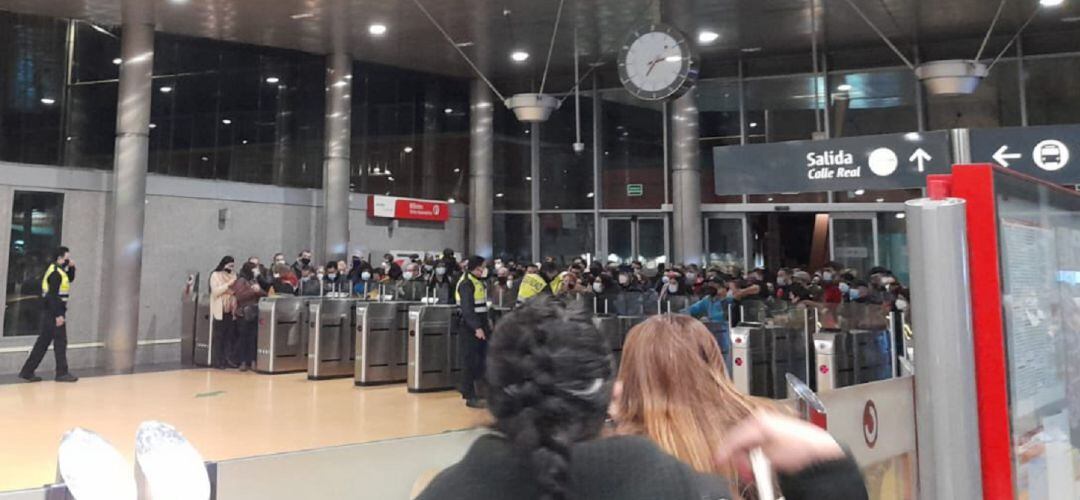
(55, 306)
(474, 316)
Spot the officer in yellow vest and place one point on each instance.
(546, 282)
(55, 287)
(474, 329)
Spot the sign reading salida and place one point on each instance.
(391, 207)
(832, 165)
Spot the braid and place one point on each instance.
(550, 374)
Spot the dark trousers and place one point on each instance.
(50, 334)
(224, 339)
(474, 360)
(247, 329)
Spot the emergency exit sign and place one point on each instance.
(635, 190)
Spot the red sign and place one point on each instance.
(870, 423)
(391, 207)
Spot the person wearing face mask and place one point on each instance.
(713, 308)
(830, 288)
(303, 260)
(845, 290)
(412, 286)
(247, 293)
(260, 275)
(783, 283)
(440, 284)
(55, 286)
(332, 281)
(540, 283)
(309, 284)
(601, 297)
(474, 329)
(391, 268)
(222, 307)
(285, 282)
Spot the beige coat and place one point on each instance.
(221, 299)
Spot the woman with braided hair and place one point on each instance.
(550, 376)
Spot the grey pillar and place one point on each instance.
(481, 169)
(128, 207)
(686, 179)
(336, 175)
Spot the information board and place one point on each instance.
(1050, 153)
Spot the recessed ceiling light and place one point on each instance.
(498, 195)
(751, 50)
(153, 125)
(844, 87)
(880, 200)
(48, 101)
(1051, 3)
(519, 56)
(117, 61)
(226, 121)
(166, 89)
(457, 170)
(448, 110)
(901, 215)
(590, 195)
(860, 192)
(408, 149)
(205, 159)
(377, 29)
(451, 201)
(391, 179)
(272, 79)
(303, 15)
(707, 36)
(753, 124)
(528, 178)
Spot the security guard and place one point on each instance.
(55, 287)
(474, 329)
(547, 282)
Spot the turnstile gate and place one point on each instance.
(614, 329)
(203, 351)
(382, 340)
(848, 358)
(282, 342)
(331, 351)
(434, 354)
(763, 356)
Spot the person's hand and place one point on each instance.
(613, 406)
(790, 444)
(59, 321)
(480, 334)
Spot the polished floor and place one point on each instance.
(224, 414)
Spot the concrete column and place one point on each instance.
(686, 179)
(336, 171)
(128, 204)
(481, 169)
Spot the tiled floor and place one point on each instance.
(224, 414)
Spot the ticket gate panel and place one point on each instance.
(203, 350)
(825, 361)
(282, 344)
(382, 343)
(430, 348)
(612, 332)
(740, 358)
(189, 312)
(331, 338)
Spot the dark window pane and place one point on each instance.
(32, 66)
(35, 233)
(567, 236)
(872, 103)
(512, 237)
(1052, 94)
(782, 109)
(91, 125)
(566, 176)
(632, 162)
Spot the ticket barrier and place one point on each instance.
(850, 358)
(609, 328)
(282, 342)
(382, 343)
(763, 355)
(331, 351)
(434, 354)
(189, 312)
(203, 352)
(673, 304)
(630, 304)
(412, 291)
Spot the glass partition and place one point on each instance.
(567, 236)
(36, 222)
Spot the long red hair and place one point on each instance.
(676, 392)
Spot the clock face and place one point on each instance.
(657, 63)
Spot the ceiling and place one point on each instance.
(496, 27)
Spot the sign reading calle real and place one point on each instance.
(1049, 153)
(894, 161)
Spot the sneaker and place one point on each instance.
(30, 378)
(243, 367)
(67, 377)
(478, 404)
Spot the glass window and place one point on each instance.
(875, 196)
(567, 236)
(90, 137)
(892, 239)
(513, 162)
(36, 220)
(652, 249)
(632, 163)
(853, 242)
(782, 109)
(97, 53)
(32, 69)
(870, 103)
(789, 198)
(726, 243)
(1052, 94)
(620, 241)
(996, 103)
(718, 106)
(512, 237)
(566, 176)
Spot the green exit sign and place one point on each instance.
(635, 190)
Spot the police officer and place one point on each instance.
(547, 281)
(474, 329)
(55, 287)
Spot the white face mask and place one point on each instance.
(827, 277)
(408, 275)
(844, 287)
(276, 275)
(255, 271)
(320, 276)
(624, 279)
(509, 283)
(781, 281)
(665, 279)
(673, 288)
(440, 271)
(901, 305)
(691, 277)
(365, 276)
(598, 288)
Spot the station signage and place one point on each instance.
(1050, 153)
(391, 207)
(894, 161)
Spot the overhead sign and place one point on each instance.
(894, 161)
(635, 190)
(390, 207)
(1050, 153)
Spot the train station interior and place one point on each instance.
(251, 240)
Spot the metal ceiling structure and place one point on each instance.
(491, 29)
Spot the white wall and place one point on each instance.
(182, 235)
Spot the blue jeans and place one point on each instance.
(723, 339)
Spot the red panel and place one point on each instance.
(436, 211)
(975, 184)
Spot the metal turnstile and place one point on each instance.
(609, 328)
(434, 355)
(331, 351)
(202, 351)
(762, 357)
(282, 342)
(382, 338)
(849, 358)
(189, 312)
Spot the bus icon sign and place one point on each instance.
(1051, 155)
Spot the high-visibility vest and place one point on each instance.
(556, 284)
(531, 286)
(65, 282)
(479, 293)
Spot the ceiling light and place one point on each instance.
(407, 150)
(464, 44)
(243, 141)
(1071, 19)
(48, 101)
(498, 195)
(753, 124)
(166, 89)
(303, 15)
(153, 125)
(226, 121)
(913, 136)
(528, 178)
(272, 79)
(880, 200)
(860, 192)
(1051, 3)
(590, 195)
(117, 61)
(901, 215)
(391, 179)
(205, 159)
(448, 110)
(451, 201)
(751, 50)
(843, 87)
(519, 56)
(456, 170)
(770, 199)
(377, 29)
(706, 36)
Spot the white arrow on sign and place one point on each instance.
(1002, 157)
(922, 157)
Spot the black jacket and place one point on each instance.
(470, 319)
(621, 468)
